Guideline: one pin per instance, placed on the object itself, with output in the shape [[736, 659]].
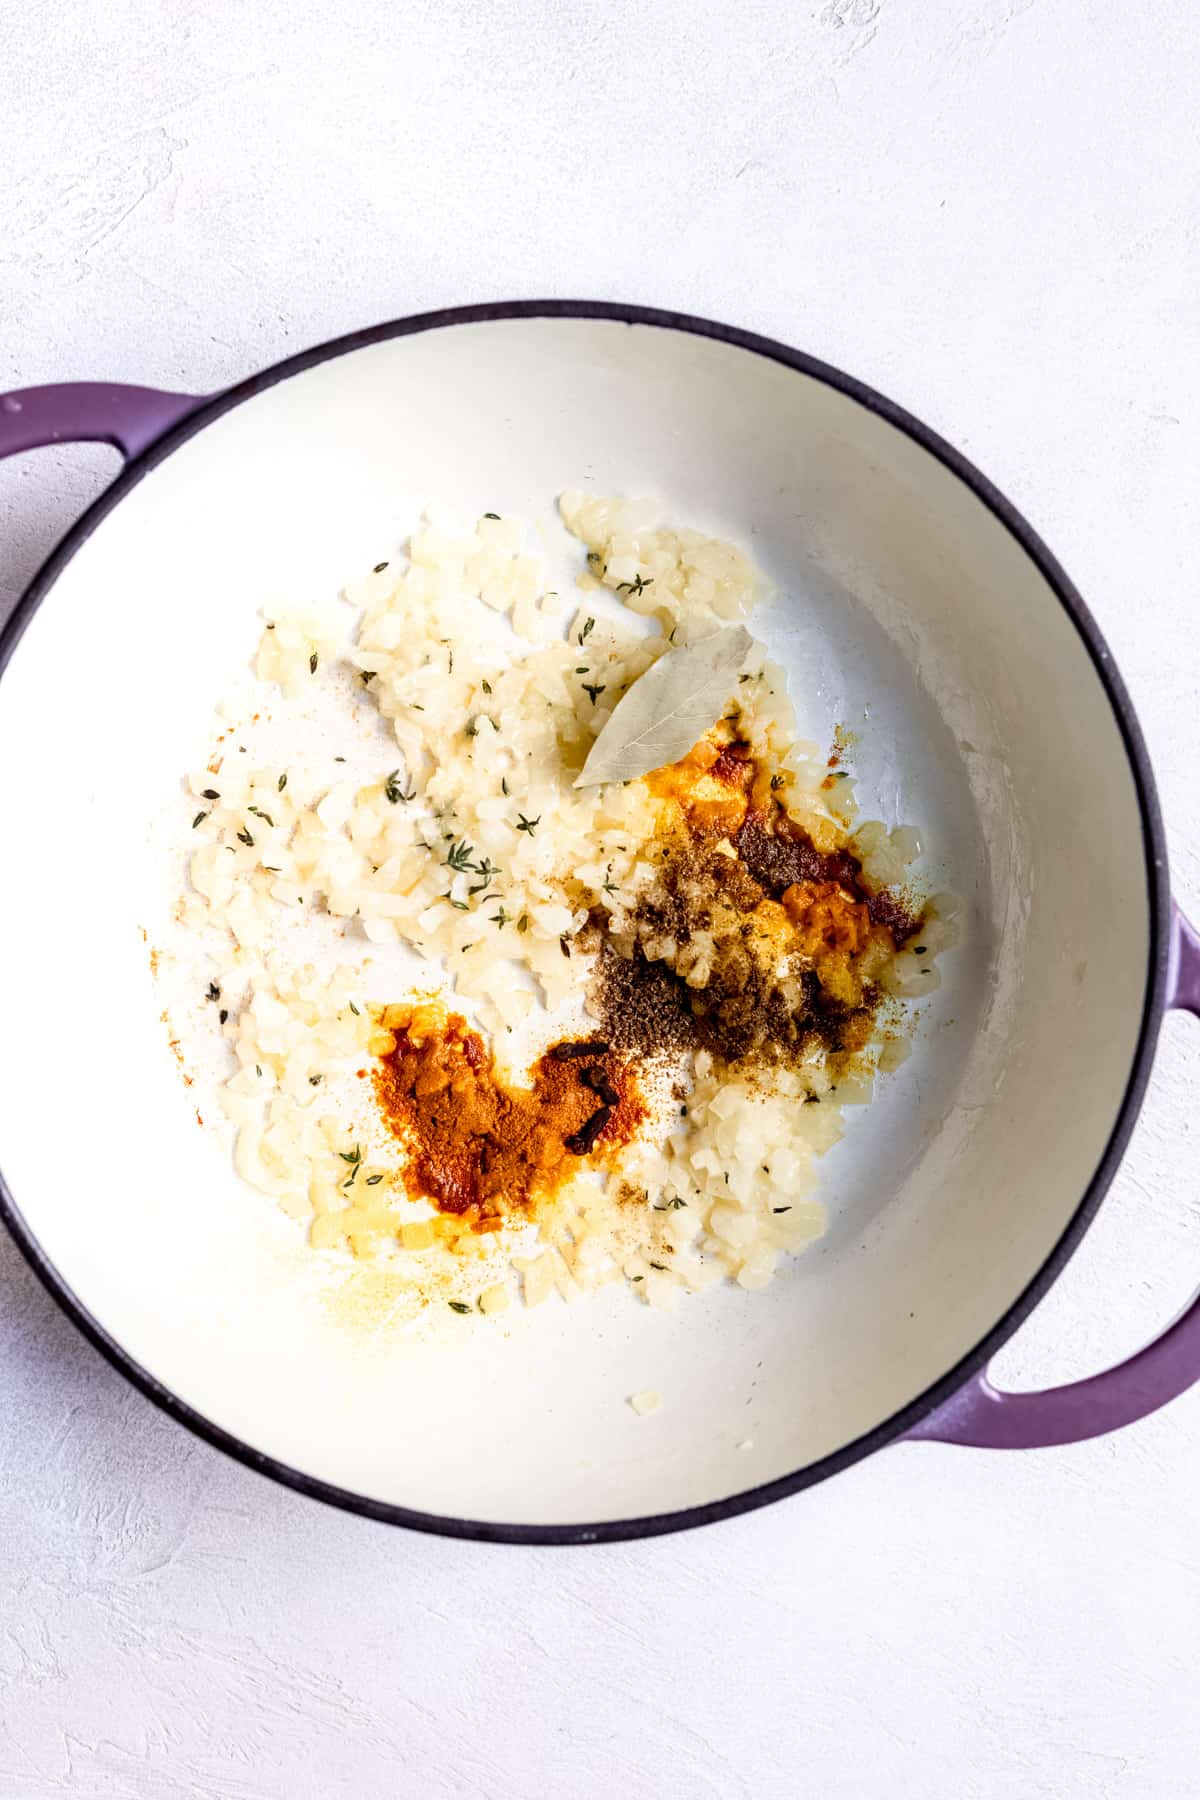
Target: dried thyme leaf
[[459, 858]]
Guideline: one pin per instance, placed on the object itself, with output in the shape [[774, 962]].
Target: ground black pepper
[[642, 1006]]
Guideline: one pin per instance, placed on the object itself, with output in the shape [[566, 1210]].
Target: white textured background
[[991, 210]]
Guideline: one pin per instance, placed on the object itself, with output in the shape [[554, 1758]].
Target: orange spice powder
[[482, 1150]]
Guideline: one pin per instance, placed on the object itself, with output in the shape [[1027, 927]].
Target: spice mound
[[746, 939], [481, 1149]]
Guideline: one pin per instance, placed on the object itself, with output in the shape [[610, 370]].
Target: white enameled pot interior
[[904, 608]]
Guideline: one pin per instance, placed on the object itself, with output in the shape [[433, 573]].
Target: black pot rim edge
[[899, 1423]]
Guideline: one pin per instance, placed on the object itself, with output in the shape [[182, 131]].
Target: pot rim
[[899, 1424]]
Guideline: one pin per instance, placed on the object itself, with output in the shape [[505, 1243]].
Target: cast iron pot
[[914, 602]]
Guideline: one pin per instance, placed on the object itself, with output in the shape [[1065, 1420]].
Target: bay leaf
[[668, 708]]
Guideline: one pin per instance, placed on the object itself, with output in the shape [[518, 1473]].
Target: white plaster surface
[[991, 210]]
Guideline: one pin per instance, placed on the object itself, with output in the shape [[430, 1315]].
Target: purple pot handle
[[982, 1415], [73, 412]]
